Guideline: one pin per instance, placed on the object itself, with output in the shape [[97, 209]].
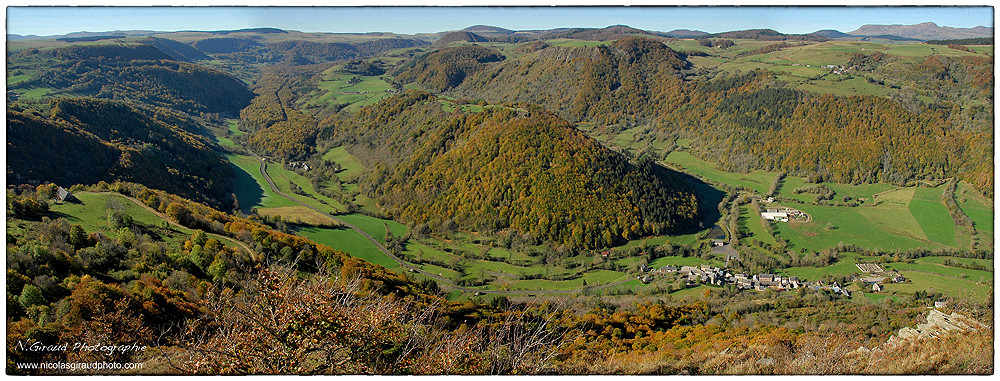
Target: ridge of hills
[[924, 31], [637, 81], [139, 72], [917, 32]]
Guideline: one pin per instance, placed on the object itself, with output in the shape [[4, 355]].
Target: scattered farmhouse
[[63, 195]]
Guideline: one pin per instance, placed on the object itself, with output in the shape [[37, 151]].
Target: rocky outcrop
[[938, 323]]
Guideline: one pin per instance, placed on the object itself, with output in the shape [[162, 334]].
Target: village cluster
[[873, 276]]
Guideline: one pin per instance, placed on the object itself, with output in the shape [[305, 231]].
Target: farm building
[[63, 195], [775, 216]]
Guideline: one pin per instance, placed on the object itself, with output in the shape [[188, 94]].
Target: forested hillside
[[626, 82], [138, 73], [84, 141], [275, 127], [528, 171], [446, 68], [749, 121]]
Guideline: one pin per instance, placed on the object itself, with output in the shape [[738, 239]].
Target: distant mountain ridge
[[924, 31], [487, 29], [684, 33]]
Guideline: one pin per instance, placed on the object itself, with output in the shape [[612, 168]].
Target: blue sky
[[409, 20]]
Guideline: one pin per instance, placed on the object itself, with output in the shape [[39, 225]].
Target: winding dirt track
[[448, 282]]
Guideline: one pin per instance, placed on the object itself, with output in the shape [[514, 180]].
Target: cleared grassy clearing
[[843, 85], [961, 288], [337, 88], [692, 293], [976, 206], [888, 227], [92, 215], [955, 272], [844, 266], [373, 226], [967, 261], [297, 213], [352, 168], [227, 141], [687, 239], [16, 79], [682, 261], [757, 180]]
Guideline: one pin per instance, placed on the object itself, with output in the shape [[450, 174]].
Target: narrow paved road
[[451, 284]]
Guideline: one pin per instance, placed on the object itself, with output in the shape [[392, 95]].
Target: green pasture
[[349, 241], [375, 227], [845, 265], [930, 212], [283, 179], [682, 261], [352, 168], [940, 269], [751, 222], [693, 293], [334, 88], [687, 239], [234, 132], [297, 213], [33, 93], [982, 49], [16, 79], [967, 261], [889, 226], [838, 84], [856, 192], [757, 180], [961, 288], [252, 190], [92, 215], [976, 206]]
